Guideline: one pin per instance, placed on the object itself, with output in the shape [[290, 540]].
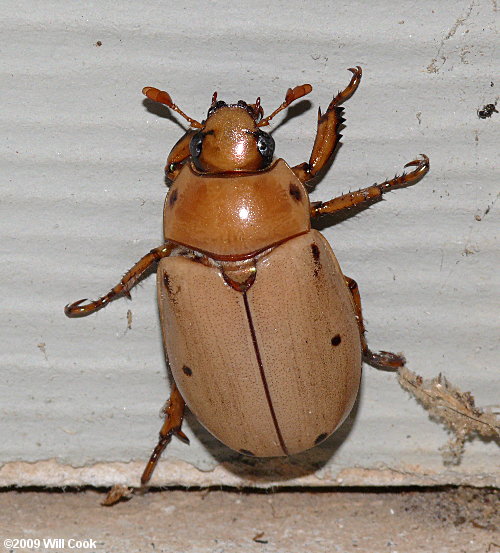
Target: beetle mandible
[[264, 334]]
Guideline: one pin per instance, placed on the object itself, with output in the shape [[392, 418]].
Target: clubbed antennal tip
[[292, 94], [164, 98]]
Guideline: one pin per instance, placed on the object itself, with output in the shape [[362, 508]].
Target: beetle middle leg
[[372, 193], [174, 414], [129, 280], [384, 360], [328, 133]]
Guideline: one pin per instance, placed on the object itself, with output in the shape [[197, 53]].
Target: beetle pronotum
[[263, 333]]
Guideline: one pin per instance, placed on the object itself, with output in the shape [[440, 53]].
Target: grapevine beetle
[[264, 334]]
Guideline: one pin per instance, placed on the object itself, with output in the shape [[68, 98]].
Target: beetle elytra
[[264, 334]]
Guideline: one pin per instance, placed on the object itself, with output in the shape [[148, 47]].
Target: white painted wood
[[82, 195]]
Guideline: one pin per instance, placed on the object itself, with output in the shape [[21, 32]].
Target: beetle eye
[[196, 144], [265, 145]]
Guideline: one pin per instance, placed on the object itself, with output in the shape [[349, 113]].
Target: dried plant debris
[[116, 494], [455, 409]]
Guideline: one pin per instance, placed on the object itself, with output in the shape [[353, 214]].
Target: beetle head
[[230, 139]]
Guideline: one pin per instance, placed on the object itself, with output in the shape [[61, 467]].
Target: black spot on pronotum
[[187, 371], [295, 191], [336, 340], [172, 198], [246, 452], [320, 438]]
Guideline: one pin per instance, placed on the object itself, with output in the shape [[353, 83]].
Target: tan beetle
[[264, 334]]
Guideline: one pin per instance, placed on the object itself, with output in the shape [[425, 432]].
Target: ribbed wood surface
[[82, 195]]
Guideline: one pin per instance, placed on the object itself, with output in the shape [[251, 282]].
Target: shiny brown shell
[[235, 215], [271, 369]]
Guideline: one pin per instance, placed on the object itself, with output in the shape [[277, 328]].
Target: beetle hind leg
[[174, 414], [384, 360]]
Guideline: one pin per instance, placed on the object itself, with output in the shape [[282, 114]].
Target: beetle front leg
[[384, 360], [328, 132], [174, 414], [372, 193], [178, 155], [129, 280]]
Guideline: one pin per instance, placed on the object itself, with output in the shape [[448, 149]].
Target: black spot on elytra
[[246, 452], [316, 254], [336, 340], [168, 286], [166, 282], [172, 198], [187, 371], [295, 191], [320, 438]]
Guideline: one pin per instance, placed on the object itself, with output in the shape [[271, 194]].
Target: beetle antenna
[[257, 110], [164, 98], [292, 94], [214, 97]]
